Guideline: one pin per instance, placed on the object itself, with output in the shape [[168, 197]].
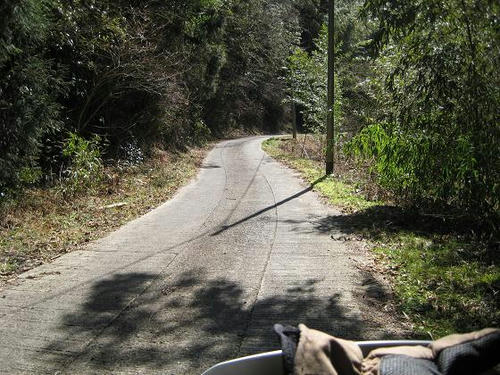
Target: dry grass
[[41, 225], [311, 147]]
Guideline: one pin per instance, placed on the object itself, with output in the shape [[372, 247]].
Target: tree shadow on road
[[383, 220], [271, 207], [392, 219], [190, 323]]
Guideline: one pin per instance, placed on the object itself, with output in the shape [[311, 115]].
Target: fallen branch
[[120, 204]]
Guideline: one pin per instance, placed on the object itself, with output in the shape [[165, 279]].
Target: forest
[[87, 82]]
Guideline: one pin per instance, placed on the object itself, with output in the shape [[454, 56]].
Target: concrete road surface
[[198, 280]]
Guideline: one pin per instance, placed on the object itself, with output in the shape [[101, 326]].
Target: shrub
[[85, 168], [438, 142]]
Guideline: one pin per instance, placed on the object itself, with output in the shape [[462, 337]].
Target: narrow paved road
[[196, 281]]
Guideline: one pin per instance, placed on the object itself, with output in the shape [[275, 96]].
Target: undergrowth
[[444, 279], [339, 193], [42, 224], [444, 283]]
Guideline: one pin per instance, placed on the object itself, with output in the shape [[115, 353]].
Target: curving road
[[196, 281]]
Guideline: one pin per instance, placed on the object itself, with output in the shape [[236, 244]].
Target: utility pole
[[294, 120], [331, 88]]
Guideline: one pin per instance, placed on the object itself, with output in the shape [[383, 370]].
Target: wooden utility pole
[[294, 120], [331, 90]]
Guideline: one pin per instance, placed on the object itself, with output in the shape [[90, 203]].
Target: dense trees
[[137, 73], [417, 84], [259, 36], [418, 95], [29, 110], [438, 142]]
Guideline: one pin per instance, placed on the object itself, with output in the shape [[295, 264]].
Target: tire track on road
[[266, 265]]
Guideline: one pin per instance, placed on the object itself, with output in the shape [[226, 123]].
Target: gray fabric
[[289, 337], [405, 365], [472, 357]]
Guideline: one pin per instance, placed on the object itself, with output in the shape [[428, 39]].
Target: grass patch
[[342, 194], [444, 280], [41, 225], [443, 283]]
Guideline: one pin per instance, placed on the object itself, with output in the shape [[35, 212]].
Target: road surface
[[198, 280]]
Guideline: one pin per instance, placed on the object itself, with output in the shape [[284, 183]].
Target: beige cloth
[[322, 354], [456, 339]]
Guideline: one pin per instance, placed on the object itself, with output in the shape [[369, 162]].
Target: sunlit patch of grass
[[338, 193], [445, 285], [42, 224]]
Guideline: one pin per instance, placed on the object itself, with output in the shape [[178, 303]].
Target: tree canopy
[[146, 73]]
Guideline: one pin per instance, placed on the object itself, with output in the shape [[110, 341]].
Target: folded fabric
[[310, 352]]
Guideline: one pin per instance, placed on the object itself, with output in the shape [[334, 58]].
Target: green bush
[[418, 167], [30, 175], [438, 141], [85, 169]]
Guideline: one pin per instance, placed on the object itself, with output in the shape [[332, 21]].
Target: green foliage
[[446, 286], [30, 175], [356, 68], [312, 15], [403, 163], [258, 38], [85, 168], [119, 81], [28, 109], [438, 141], [307, 76], [201, 133]]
